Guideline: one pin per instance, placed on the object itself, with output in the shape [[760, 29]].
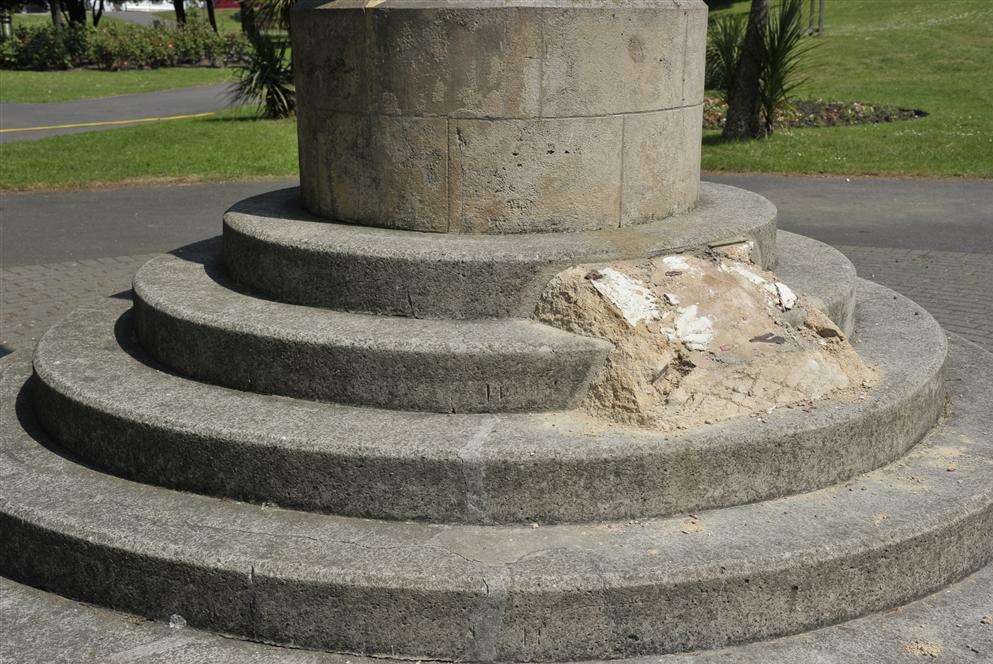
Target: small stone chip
[[987, 619], [923, 649], [768, 338]]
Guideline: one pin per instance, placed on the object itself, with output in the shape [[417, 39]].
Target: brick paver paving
[[33, 297], [957, 288]]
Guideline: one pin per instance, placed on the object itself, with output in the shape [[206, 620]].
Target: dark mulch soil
[[817, 113]]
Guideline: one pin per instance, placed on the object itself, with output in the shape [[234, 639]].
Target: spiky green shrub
[[784, 48], [266, 79], [725, 37]]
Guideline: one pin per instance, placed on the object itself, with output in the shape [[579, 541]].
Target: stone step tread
[[44, 628], [822, 273], [107, 401], [271, 243], [510, 592], [189, 317], [193, 287]]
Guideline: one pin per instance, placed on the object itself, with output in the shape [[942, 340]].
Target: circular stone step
[[271, 244], [499, 593], [822, 273], [106, 402], [45, 628], [188, 317]]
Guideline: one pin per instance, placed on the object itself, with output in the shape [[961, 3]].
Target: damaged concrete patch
[[699, 339]]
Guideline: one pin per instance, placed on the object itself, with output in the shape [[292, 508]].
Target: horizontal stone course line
[[317, 109], [614, 589], [97, 394]]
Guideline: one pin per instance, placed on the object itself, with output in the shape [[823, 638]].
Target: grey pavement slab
[[55, 227], [86, 112], [947, 215]]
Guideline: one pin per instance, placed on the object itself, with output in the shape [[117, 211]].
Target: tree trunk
[[248, 18], [744, 109], [97, 12], [820, 20], [76, 10], [210, 15], [180, 12], [57, 19]]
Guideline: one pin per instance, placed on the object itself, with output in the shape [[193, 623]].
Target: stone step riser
[[499, 593], [273, 246], [494, 624], [188, 318], [48, 627], [478, 469]]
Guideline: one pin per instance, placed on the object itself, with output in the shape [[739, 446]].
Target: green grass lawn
[[234, 145], [49, 86], [928, 54], [44, 18]]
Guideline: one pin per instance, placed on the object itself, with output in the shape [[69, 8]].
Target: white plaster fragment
[[635, 302], [739, 269], [782, 295], [692, 329], [675, 263], [670, 298]]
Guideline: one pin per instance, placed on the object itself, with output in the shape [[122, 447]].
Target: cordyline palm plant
[[784, 49], [266, 79], [724, 48]]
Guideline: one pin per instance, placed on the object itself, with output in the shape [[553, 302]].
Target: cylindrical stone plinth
[[495, 116]]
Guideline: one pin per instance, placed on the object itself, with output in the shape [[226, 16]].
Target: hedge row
[[121, 46]]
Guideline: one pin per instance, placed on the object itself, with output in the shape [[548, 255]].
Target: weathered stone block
[[519, 176], [661, 164], [612, 62], [694, 58], [378, 170], [457, 63]]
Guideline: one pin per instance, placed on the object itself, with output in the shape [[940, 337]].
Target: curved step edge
[[98, 394], [273, 245], [822, 273], [189, 318], [45, 627], [509, 593]]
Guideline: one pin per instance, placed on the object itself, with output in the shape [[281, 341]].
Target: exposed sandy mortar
[[701, 338]]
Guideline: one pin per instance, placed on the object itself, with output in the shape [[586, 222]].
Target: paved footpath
[[932, 240], [26, 122]]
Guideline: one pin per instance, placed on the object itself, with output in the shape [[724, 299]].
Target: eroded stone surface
[[701, 338]]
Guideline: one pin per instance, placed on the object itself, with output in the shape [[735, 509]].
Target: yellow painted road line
[[106, 123]]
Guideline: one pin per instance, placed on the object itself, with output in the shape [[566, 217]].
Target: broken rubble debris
[[700, 339]]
